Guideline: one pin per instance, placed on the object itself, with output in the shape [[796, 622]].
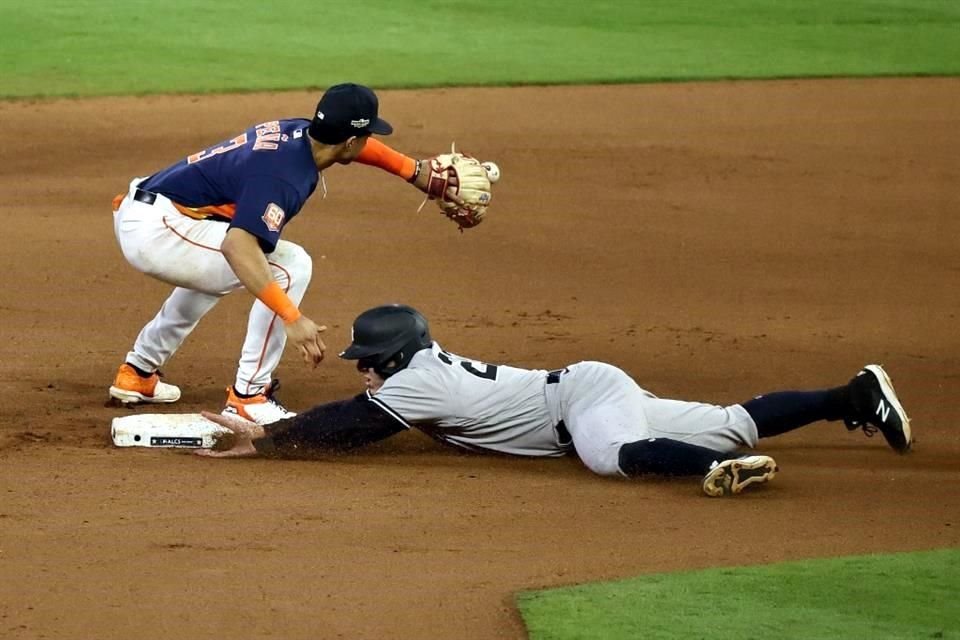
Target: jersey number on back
[[268, 137], [239, 141], [489, 371]]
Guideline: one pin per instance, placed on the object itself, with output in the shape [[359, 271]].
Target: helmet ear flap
[[389, 366]]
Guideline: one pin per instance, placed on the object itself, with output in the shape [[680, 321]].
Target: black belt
[[553, 377], [146, 197], [563, 436]]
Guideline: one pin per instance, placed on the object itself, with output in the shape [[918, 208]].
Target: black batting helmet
[[386, 337]]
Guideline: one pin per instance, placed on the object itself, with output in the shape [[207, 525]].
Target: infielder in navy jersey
[[211, 223], [591, 408]]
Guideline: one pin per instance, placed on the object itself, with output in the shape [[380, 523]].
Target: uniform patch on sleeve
[[273, 217]]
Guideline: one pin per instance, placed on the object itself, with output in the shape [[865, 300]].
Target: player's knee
[[303, 266], [293, 264], [604, 462]]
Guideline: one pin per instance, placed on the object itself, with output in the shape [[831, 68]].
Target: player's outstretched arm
[[331, 427], [378, 154], [460, 184], [417, 172]]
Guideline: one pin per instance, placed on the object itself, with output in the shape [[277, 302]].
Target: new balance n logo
[[883, 410]]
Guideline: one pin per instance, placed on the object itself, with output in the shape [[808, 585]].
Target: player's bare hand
[[304, 333], [238, 443]]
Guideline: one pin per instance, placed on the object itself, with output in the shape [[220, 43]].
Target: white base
[[176, 430]]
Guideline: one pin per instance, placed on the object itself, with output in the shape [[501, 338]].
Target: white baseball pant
[[604, 409], [163, 243]]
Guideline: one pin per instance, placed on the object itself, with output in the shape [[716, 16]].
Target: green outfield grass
[[102, 47], [908, 595]]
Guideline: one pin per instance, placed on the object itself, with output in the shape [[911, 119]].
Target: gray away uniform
[[479, 406]]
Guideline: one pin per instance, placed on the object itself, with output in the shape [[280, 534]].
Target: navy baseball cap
[[347, 110]]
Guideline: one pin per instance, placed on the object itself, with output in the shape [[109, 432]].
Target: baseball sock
[[244, 396], [667, 457], [782, 411]]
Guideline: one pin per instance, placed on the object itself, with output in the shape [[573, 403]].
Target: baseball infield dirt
[[715, 240]]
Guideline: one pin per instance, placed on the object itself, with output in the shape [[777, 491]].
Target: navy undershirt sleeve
[[334, 426]]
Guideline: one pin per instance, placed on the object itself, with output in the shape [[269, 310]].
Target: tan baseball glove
[[461, 187]]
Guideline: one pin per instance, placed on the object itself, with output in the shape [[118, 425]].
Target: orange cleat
[[262, 408], [131, 388]]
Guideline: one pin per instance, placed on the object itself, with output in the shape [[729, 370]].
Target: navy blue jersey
[[258, 180]]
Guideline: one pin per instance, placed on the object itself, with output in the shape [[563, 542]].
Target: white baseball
[[493, 171]]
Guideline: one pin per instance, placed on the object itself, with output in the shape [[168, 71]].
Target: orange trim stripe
[[186, 239], [266, 340], [202, 213]]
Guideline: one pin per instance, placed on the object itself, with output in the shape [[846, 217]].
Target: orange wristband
[[279, 302], [380, 155]]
